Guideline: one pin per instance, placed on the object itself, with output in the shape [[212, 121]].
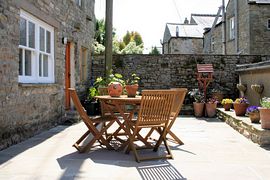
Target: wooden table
[[115, 106]]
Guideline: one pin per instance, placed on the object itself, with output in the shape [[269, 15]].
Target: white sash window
[[36, 50]]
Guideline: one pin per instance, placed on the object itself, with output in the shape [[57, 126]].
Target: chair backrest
[[156, 107], [77, 103], [178, 101]]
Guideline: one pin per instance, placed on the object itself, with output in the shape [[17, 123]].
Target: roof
[[185, 30], [260, 1], [205, 20], [195, 29]]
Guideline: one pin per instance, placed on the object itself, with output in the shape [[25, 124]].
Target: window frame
[[232, 28], [79, 3], [35, 52], [268, 24], [83, 63], [212, 46]]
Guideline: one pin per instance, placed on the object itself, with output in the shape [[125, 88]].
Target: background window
[[268, 24], [79, 3], [231, 27]]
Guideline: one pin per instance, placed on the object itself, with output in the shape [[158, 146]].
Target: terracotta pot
[[211, 109], [240, 109], [254, 117], [198, 109], [227, 107], [265, 118], [132, 90], [115, 89]]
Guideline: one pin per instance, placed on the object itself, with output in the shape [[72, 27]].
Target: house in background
[[44, 50], [247, 29], [187, 38]]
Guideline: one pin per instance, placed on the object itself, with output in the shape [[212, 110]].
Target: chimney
[[177, 31], [186, 21]]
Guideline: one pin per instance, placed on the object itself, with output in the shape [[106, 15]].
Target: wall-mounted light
[[64, 40]]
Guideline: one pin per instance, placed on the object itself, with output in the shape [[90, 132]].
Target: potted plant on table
[[211, 106], [253, 113], [198, 103], [227, 104], [131, 85], [265, 112], [240, 106], [112, 84]]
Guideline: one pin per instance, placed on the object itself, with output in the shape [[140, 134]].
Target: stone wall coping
[[253, 66]]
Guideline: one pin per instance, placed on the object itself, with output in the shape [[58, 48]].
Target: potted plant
[[227, 104], [253, 113], [115, 86], [198, 103], [211, 106], [112, 84], [131, 85], [240, 106], [91, 105], [265, 112]]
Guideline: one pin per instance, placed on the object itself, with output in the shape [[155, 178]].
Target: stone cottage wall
[[259, 33], [218, 45], [185, 45], [27, 109], [168, 71]]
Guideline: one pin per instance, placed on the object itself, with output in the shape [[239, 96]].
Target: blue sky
[[149, 17]]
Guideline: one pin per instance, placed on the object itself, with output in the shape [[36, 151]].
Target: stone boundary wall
[[168, 71]]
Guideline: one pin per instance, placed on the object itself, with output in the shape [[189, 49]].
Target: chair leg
[[150, 133], [175, 138], [162, 136], [168, 149]]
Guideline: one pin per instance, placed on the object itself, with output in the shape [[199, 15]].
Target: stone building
[[44, 49], [213, 44], [247, 28], [186, 38]]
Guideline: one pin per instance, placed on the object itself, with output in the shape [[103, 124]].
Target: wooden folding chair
[[177, 105], [155, 110], [91, 124]]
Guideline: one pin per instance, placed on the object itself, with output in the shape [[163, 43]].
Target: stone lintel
[[30, 8]]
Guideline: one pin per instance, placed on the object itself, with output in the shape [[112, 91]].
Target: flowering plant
[[133, 79], [197, 95], [252, 109], [265, 102], [226, 101], [241, 100], [212, 100]]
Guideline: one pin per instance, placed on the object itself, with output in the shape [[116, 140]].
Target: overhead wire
[[180, 18]]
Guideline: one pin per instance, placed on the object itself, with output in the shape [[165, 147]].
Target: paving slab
[[212, 150]]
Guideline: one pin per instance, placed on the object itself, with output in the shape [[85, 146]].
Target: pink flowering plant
[[212, 101]]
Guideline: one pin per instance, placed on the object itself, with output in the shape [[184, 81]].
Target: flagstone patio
[[212, 150]]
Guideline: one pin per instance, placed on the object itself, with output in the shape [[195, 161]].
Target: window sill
[[37, 85]]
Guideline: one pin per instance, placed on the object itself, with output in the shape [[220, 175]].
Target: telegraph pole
[[108, 36]]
